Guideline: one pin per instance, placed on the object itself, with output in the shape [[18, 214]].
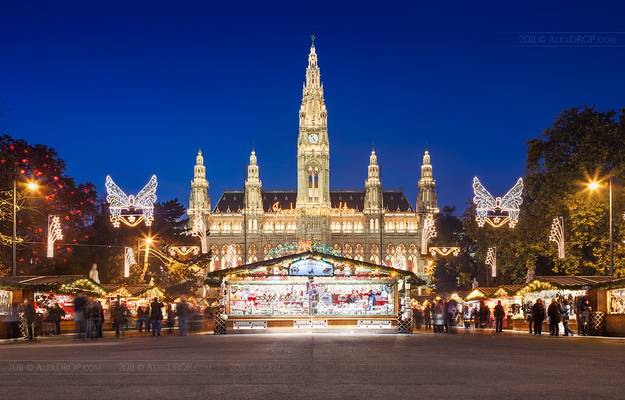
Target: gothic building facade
[[369, 224]]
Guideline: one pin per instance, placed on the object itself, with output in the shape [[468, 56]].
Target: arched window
[[313, 183]]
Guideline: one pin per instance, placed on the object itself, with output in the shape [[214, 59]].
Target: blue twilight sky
[[134, 88]]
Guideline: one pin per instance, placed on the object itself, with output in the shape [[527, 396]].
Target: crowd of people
[[89, 318], [443, 316]]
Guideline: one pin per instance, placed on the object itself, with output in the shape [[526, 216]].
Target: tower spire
[[199, 199], [427, 201]]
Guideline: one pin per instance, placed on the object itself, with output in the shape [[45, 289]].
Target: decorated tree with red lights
[[56, 194]]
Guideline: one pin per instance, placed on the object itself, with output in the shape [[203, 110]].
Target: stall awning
[[312, 263], [494, 292], [136, 290], [563, 282], [61, 283]]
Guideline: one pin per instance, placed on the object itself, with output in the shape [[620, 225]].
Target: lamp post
[[594, 185], [32, 186]]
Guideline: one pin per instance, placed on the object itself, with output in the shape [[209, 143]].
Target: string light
[[496, 211], [557, 235], [54, 233], [230, 258], [491, 260], [444, 251], [183, 250], [129, 260], [130, 209], [199, 230], [428, 232]]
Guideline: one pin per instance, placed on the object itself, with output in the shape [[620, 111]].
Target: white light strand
[[557, 235], [491, 260], [130, 209], [496, 211], [54, 233], [199, 230], [184, 250], [230, 258], [428, 232], [444, 251], [129, 261]]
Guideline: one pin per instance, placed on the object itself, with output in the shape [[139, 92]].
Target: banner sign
[[311, 268]]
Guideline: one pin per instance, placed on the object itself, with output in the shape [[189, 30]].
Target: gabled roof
[[288, 259], [233, 201], [62, 283], [490, 292]]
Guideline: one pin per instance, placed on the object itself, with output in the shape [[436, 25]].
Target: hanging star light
[[427, 233], [54, 233], [491, 260], [444, 251], [557, 235], [129, 261], [496, 211], [130, 209], [199, 230]]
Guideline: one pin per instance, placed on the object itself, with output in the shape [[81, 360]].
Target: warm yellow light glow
[[148, 240], [593, 185], [32, 186]]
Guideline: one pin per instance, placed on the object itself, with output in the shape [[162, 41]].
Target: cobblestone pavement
[[319, 366]]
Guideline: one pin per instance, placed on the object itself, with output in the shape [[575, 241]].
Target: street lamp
[[593, 186], [31, 186]]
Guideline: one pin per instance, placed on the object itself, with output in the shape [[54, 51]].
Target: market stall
[[312, 291], [47, 290], [507, 294], [610, 299], [560, 288], [132, 296]]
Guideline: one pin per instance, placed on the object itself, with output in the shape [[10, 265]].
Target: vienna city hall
[[365, 224]]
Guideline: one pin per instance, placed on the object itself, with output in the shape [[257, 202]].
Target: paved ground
[[319, 366]]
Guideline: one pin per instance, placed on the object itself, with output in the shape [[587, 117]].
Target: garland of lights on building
[[129, 209], [497, 211], [557, 235], [82, 285], [54, 233]]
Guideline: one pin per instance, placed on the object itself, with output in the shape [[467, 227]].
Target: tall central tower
[[313, 158], [313, 146]]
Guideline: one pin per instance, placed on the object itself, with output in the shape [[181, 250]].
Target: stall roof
[[287, 259], [611, 284], [52, 282], [563, 282]]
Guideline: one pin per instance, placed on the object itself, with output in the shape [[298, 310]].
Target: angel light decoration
[[130, 209], [497, 211]]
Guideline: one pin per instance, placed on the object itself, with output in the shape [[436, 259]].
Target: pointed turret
[[253, 186], [427, 202], [199, 200]]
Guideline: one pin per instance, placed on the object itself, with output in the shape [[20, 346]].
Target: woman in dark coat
[[538, 314]]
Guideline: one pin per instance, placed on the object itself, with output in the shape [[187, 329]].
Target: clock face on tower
[[313, 138]]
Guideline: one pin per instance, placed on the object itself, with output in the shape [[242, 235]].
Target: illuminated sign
[[311, 268]]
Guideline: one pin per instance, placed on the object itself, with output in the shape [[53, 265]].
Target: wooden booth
[[313, 291]]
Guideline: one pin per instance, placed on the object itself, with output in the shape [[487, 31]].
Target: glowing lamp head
[[32, 186], [149, 240], [594, 185]]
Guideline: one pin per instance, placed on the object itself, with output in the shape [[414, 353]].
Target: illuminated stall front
[[610, 299], [312, 291]]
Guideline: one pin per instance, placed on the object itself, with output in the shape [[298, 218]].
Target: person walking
[[427, 313], [100, 326], [140, 319], [90, 317], [499, 316], [182, 310], [439, 317], [528, 316], [171, 319], [117, 316], [566, 315], [29, 314], [57, 313], [555, 316], [584, 315], [80, 304], [538, 315], [156, 316]]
